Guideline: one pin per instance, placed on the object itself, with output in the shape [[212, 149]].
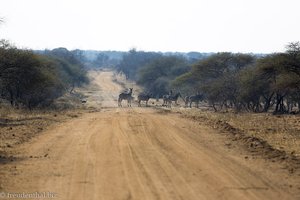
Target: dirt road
[[140, 153]]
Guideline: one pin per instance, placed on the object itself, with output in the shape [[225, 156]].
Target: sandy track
[[140, 153]]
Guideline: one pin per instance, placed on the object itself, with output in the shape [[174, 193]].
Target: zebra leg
[[119, 102], [186, 104]]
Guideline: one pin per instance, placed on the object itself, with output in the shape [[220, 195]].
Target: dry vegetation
[[275, 137], [20, 125], [281, 131]]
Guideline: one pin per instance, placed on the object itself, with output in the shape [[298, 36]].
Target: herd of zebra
[[167, 99]]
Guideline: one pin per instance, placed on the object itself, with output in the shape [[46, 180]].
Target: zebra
[[126, 96], [143, 97], [166, 100], [169, 98], [195, 98]]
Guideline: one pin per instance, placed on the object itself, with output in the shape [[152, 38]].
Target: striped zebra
[[125, 96], [143, 97], [169, 98], [196, 99]]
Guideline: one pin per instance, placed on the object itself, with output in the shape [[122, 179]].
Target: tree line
[[243, 82], [32, 79]]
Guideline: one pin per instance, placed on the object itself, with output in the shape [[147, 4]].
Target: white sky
[[260, 26]]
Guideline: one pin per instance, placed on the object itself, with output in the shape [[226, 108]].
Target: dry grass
[[20, 125], [282, 132]]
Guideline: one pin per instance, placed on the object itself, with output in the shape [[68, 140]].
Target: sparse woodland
[[242, 82], [245, 82], [34, 80]]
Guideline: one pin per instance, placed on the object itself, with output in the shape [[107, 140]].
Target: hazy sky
[[152, 25]]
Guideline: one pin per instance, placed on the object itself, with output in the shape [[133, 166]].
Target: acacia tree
[[282, 72], [292, 61], [133, 61], [70, 67], [35, 80], [157, 75], [242, 81], [273, 80], [218, 78]]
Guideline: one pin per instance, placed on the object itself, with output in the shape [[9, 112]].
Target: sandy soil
[[140, 153]]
